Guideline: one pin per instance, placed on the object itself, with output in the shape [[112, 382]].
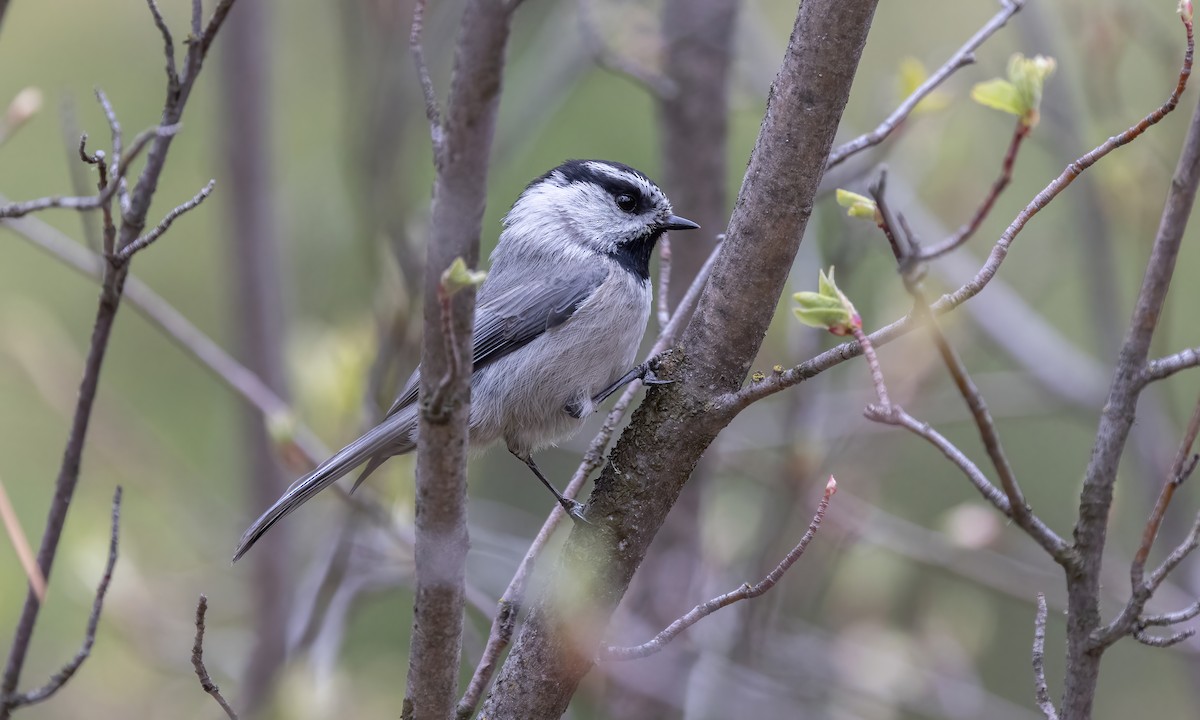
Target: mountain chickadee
[[557, 324]]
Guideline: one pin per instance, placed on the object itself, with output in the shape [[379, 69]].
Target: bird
[[558, 321]]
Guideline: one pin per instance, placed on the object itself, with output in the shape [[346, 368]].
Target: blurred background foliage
[[915, 601]]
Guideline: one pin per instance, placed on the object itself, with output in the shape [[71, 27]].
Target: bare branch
[[655, 83], [156, 232], [737, 401], [1163, 642], [206, 682], [896, 415], [1022, 515], [745, 592], [168, 43], [88, 202], [116, 162], [963, 57], [432, 112], [61, 677], [115, 273], [873, 363], [965, 232], [514, 595], [1166, 619], [1041, 694], [1164, 367]]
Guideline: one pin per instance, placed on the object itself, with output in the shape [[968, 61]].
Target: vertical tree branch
[[675, 423], [1091, 528], [461, 158], [256, 307]]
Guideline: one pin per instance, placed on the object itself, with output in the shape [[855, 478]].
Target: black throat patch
[[634, 255]]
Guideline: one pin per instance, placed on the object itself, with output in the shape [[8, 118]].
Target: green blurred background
[[915, 601]]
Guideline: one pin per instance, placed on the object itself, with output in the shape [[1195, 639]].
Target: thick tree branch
[[459, 194], [745, 592], [514, 595], [673, 426], [963, 57]]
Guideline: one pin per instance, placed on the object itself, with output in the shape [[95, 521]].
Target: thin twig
[[1164, 367], [873, 363], [1163, 642], [168, 43], [965, 232], [20, 543], [664, 282], [1175, 478], [115, 162], [896, 415], [156, 232], [655, 83], [1173, 618], [87, 202], [745, 592], [1041, 693], [1022, 515], [963, 57], [510, 602], [206, 682], [735, 402], [906, 249], [433, 112], [115, 273], [61, 677]]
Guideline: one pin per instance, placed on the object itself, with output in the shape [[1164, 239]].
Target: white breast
[[523, 396]]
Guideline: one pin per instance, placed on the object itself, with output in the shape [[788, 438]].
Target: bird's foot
[[574, 510]]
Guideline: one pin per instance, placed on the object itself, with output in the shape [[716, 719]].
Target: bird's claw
[[651, 378], [574, 510]]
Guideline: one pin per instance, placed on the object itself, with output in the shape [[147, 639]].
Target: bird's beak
[[675, 222]]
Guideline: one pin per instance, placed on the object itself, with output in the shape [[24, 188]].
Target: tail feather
[[391, 437]]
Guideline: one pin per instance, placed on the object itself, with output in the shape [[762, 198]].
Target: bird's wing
[[515, 317]]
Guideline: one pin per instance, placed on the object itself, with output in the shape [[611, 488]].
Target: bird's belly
[[524, 397]]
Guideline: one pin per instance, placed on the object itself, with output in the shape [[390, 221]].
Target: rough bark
[[674, 425], [693, 125], [461, 148]]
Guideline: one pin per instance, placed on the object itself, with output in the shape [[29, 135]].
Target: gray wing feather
[[504, 322], [514, 318]]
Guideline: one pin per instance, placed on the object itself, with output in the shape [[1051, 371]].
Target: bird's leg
[[641, 372], [573, 508]]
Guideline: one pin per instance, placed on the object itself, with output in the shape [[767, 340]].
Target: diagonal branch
[[157, 231], [514, 595], [745, 592], [738, 400], [963, 57]]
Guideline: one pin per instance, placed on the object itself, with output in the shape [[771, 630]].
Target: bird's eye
[[626, 202]]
